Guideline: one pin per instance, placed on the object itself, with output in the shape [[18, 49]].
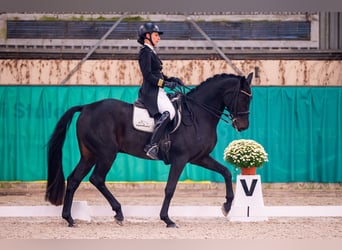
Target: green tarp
[[300, 128]]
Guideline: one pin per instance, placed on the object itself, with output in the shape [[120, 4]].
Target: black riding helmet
[[147, 28]]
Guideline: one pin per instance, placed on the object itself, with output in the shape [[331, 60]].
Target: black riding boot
[[152, 148]]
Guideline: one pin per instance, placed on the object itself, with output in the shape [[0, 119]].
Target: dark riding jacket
[[153, 79]]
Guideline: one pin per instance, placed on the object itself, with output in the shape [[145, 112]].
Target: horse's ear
[[249, 78]]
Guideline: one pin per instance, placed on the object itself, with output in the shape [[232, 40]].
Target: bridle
[[239, 113], [235, 114]]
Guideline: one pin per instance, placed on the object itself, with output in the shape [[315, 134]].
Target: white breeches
[[164, 103]]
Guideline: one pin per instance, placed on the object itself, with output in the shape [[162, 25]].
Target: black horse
[[104, 128]]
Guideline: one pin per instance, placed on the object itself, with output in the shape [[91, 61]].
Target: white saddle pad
[[142, 120]]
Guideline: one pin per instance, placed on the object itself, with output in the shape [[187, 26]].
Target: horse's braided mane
[[216, 77]]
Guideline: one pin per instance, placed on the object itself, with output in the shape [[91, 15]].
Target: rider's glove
[[170, 85]]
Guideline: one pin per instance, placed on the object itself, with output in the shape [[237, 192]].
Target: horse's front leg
[[170, 188], [211, 164]]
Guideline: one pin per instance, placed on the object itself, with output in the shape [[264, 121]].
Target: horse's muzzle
[[240, 124]]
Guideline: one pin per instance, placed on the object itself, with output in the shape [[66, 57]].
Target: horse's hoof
[[119, 222], [71, 225], [119, 219], [172, 225], [225, 213], [226, 208], [71, 222]]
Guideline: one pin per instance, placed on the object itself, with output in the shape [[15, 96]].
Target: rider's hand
[[170, 85]]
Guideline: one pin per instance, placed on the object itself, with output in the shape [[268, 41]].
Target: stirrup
[[152, 151]]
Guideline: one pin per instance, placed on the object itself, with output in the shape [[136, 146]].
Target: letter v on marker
[[248, 192]]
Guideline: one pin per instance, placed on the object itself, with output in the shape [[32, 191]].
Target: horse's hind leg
[[74, 180], [98, 178]]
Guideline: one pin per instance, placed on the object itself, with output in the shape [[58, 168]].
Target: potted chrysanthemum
[[246, 155]]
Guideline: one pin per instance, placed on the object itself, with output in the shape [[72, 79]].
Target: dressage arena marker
[[248, 199]]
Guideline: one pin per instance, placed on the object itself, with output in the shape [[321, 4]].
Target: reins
[[215, 112]]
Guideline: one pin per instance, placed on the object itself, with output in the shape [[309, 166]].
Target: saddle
[[142, 120]]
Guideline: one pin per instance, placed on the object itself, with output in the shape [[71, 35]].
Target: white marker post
[[248, 204]]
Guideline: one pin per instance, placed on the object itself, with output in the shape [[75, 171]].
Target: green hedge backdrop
[[300, 128]]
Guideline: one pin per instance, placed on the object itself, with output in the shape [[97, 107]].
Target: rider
[[152, 91]]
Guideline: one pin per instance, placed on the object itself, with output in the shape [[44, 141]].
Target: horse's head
[[225, 91], [239, 110]]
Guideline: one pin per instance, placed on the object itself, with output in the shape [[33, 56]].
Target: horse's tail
[[56, 182]]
